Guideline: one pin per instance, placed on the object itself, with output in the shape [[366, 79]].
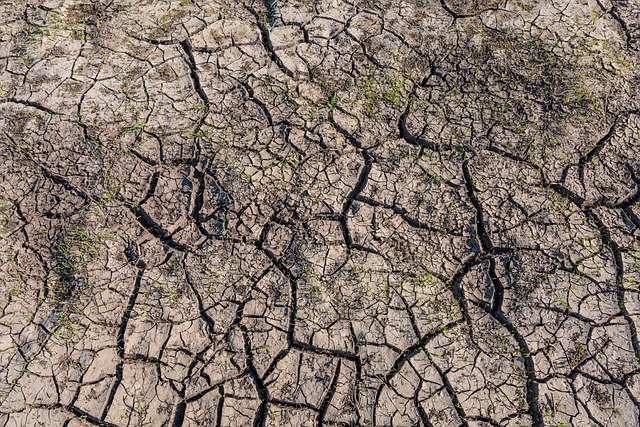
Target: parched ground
[[320, 212]]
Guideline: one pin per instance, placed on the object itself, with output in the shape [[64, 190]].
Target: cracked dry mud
[[319, 212]]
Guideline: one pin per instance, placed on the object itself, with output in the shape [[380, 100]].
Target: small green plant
[[135, 127], [333, 101]]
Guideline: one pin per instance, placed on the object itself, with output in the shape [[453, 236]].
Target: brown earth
[[329, 212]]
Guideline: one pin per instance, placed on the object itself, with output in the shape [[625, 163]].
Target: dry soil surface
[[320, 212]]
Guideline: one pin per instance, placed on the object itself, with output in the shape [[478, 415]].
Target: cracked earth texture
[[319, 212]]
